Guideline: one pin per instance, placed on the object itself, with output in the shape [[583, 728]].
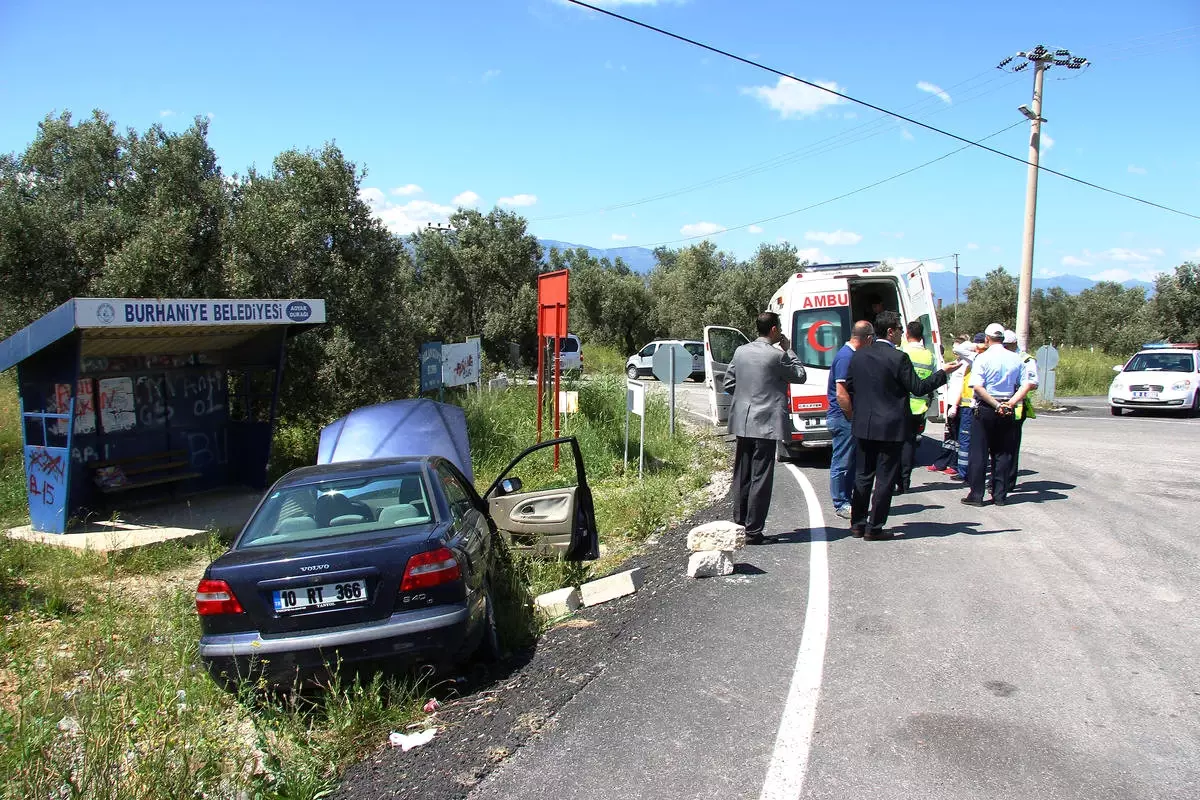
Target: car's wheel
[[632, 372], [1196, 403], [489, 643], [1116, 412]]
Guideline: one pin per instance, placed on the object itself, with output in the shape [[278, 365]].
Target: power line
[[840, 196], [856, 134], [880, 109]]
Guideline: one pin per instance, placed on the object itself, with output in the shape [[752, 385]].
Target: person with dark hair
[[946, 461], [922, 360], [841, 462], [758, 378], [880, 383], [966, 411]]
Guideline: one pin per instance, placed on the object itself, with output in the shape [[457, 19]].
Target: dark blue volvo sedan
[[386, 560]]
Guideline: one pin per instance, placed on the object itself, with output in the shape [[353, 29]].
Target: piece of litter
[[407, 742], [432, 706]]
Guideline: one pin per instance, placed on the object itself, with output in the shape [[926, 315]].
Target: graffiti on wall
[[46, 469], [116, 404], [85, 406]]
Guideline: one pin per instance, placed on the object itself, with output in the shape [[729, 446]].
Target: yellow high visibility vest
[[922, 361]]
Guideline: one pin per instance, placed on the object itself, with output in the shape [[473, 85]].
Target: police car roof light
[[1171, 345]]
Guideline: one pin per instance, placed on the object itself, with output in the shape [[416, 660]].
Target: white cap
[[1009, 337], [994, 331]]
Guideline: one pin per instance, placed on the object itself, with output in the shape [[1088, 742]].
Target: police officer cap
[[1010, 337]]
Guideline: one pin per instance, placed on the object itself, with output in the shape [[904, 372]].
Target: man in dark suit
[[879, 384]]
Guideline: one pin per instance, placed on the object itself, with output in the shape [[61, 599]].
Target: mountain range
[[641, 259]]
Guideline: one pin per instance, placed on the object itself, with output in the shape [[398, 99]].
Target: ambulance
[[817, 308]]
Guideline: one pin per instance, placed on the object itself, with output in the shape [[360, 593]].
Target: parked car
[[570, 353], [384, 552], [1165, 377], [641, 363]]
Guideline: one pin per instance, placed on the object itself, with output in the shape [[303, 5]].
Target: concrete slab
[[188, 520]]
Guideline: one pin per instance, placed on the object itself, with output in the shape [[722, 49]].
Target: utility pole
[[956, 293], [1041, 58]]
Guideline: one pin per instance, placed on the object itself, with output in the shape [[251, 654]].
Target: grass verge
[[101, 691], [1083, 373]]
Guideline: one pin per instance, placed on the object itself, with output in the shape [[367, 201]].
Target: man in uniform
[[878, 387], [922, 361], [758, 378], [996, 382], [1029, 379]]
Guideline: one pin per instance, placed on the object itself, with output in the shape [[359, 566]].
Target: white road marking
[[789, 760]]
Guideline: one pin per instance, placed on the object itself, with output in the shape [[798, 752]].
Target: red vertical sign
[[552, 322]]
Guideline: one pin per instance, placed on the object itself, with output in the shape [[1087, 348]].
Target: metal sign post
[[635, 403], [1047, 361], [667, 366]]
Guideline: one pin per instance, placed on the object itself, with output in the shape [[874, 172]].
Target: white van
[[818, 307]]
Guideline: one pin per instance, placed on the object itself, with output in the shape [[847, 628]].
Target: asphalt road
[[1046, 649]]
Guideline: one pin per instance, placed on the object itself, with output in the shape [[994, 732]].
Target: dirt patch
[[480, 730], [10, 692]]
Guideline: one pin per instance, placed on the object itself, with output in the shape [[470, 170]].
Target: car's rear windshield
[[339, 507], [1160, 362], [568, 345], [695, 348]]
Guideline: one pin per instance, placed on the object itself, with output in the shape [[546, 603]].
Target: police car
[[1164, 377]]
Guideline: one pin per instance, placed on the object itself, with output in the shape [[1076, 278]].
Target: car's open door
[[719, 344], [556, 521], [923, 307]]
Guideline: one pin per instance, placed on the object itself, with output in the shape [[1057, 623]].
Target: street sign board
[[431, 366], [669, 372]]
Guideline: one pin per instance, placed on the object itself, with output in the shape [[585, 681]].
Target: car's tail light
[[426, 570], [215, 597]]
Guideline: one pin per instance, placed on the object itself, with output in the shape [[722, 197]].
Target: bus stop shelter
[[131, 401]]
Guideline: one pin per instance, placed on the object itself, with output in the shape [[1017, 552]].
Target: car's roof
[[354, 469], [681, 341]]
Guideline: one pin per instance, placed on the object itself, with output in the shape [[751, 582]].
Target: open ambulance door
[[923, 307], [719, 344]]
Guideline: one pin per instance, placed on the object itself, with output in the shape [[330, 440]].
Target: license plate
[[1145, 395], [326, 596], [811, 422]]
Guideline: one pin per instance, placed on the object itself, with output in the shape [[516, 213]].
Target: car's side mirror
[[1118, 368], [510, 485]]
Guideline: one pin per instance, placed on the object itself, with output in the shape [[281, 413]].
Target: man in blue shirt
[[997, 380], [841, 464]]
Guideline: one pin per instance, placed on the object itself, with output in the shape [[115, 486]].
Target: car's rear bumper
[[435, 635]]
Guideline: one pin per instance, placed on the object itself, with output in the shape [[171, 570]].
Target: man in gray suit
[[758, 378]]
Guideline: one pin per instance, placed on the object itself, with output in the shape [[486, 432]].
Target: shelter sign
[[93, 312]]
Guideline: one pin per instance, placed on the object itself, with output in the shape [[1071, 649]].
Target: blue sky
[[560, 113]]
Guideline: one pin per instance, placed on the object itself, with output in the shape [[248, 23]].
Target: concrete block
[[710, 564], [719, 535], [558, 603], [612, 587]]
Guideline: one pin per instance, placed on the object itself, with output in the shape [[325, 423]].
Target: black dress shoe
[[758, 538], [858, 531], [996, 502], [879, 535], [967, 501]]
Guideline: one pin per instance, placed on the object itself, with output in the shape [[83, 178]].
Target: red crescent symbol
[[812, 336]]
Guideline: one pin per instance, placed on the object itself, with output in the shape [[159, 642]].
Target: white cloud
[[467, 199], [892, 234], [1192, 254], [407, 189], [407, 217], [972, 246], [1072, 261], [908, 137], [812, 254], [1047, 141], [166, 112], [490, 75], [935, 90], [1047, 273], [1126, 255], [833, 237], [518, 200], [755, 229], [701, 229], [1135, 170], [793, 99], [619, 237]]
